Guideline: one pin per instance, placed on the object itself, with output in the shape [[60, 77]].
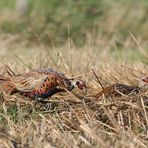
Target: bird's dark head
[[80, 84], [72, 83]]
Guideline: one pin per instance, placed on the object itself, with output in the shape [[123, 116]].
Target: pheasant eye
[[80, 84], [77, 83]]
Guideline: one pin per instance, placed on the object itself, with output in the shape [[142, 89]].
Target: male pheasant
[[39, 83], [123, 89]]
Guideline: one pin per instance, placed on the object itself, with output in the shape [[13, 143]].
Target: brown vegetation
[[74, 119]]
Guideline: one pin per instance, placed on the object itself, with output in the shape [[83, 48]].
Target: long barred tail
[[6, 85]]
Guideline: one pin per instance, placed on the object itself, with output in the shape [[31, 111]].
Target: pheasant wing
[[25, 83]]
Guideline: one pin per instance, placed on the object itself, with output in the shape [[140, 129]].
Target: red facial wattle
[[145, 79], [81, 85]]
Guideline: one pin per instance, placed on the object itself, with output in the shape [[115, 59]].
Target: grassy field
[[114, 45], [74, 119]]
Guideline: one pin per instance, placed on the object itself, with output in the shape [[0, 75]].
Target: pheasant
[[39, 84], [123, 89]]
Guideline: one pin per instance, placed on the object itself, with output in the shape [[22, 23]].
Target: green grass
[[50, 20], [6, 4]]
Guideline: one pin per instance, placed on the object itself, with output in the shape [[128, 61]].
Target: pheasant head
[[143, 83], [72, 83], [80, 84]]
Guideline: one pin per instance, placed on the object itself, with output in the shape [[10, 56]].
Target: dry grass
[[74, 119]]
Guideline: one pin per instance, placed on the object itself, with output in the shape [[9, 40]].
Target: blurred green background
[[56, 20]]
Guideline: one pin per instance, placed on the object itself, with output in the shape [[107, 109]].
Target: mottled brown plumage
[[39, 83], [123, 89]]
